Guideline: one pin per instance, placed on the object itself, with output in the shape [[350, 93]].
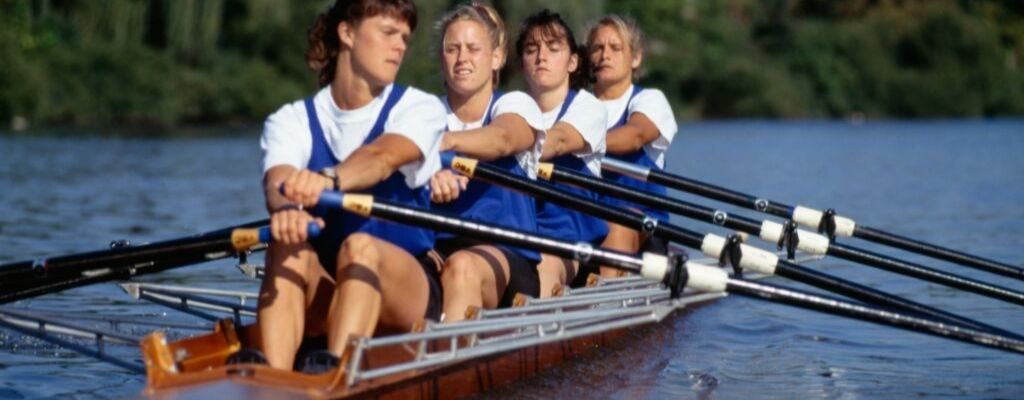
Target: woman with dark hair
[[575, 120], [640, 121], [489, 125], [360, 133]]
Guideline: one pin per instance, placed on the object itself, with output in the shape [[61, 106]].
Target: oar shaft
[[871, 295], [938, 252], [925, 273], [686, 237], [77, 264], [89, 268], [777, 294], [748, 225], [786, 211], [693, 276], [698, 188]]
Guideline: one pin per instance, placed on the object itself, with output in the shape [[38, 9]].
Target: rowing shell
[[492, 348]]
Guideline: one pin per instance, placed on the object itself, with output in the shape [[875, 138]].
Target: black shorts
[[523, 272], [328, 260], [429, 261]]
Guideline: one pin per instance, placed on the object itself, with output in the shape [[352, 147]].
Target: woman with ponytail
[[640, 121], [361, 132], [489, 125]]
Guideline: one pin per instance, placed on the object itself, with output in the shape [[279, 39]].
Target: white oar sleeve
[[752, 258], [807, 242], [810, 217]]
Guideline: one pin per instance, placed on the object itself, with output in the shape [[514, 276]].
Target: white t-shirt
[[652, 104], [588, 116], [417, 116], [518, 103]]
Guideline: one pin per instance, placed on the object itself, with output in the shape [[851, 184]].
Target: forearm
[[624, 140], [487, 143], [272, 181], [363, 169], [560, 142]]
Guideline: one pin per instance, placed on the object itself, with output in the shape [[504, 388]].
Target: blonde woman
[[640, 120], [502, 129]]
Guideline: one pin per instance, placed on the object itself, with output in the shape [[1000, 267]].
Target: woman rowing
[[575, 120], [501, 128], [640, 121], [360, 132]]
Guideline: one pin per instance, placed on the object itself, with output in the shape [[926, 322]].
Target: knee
[[359, 248], [459, 268], [358, 252]]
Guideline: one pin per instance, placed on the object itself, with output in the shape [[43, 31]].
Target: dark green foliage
[[164, 63]]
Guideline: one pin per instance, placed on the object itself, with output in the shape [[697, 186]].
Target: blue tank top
[[638, 157], [484, 202], [559, 222], [340, 224]]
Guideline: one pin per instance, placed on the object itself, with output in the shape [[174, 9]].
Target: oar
[[675, 272], [26, 279], [725, 249], [827, 222], [777, 233]]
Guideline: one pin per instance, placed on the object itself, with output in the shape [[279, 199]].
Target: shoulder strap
[[378, 127], [490, 110], [565, 105], [321, 155], [625, 113]]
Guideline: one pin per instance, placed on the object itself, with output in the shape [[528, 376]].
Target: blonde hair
[[627, 29], [486, 16]]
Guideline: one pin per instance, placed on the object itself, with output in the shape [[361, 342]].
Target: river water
[[956, 183]]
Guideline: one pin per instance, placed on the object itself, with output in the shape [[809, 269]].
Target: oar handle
[[244, 239]]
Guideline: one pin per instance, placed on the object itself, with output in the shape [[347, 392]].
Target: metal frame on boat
[[436, 360]]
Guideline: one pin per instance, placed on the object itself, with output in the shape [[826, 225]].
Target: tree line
[[167, 63]]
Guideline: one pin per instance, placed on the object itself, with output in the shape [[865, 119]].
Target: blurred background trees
[[167, 63]]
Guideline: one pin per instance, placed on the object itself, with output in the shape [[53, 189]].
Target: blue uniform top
[[638, 157], [340, 224], [559, 222], [485, 202]]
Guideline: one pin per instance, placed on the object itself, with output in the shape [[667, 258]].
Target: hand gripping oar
[[738, 254], [677, 273], [26, 279], [776, 233], [827, 222]]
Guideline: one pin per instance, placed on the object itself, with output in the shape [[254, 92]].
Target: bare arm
[[376, 161], [632, 136], [562, 139], [506, 135], [365, 167]]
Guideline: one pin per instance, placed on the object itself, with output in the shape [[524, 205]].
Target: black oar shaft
[[695, 240], [941, 253], [77, 264], [60, 273], [698, 188], [786, 211], [748, 225], [777, 294], [367, 206]]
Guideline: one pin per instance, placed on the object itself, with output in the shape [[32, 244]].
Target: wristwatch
[[331, 174]]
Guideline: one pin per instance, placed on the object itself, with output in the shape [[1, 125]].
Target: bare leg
[[622, 239], [293, 276], [477, 276], [377, 282], [554, 271]]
